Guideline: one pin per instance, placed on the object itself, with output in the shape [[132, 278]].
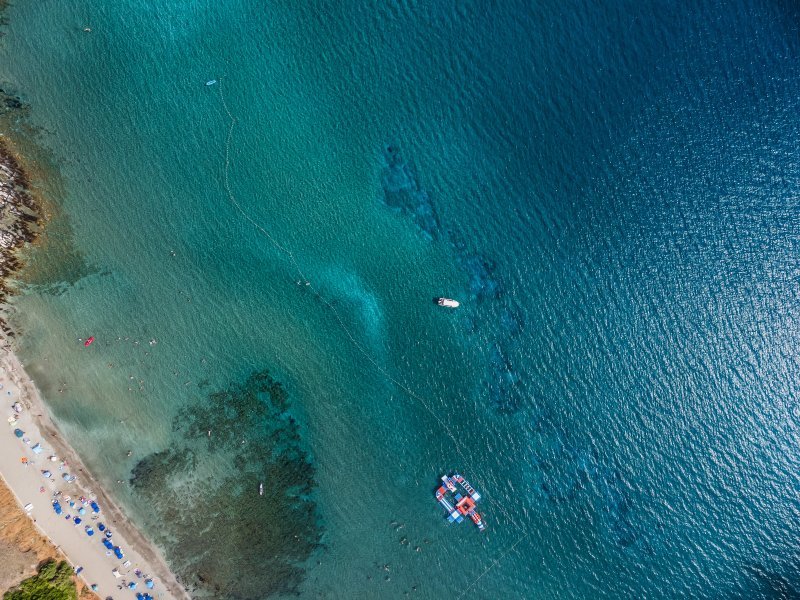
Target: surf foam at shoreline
[[20, 225], [26, 482]]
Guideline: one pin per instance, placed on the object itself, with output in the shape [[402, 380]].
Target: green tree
[[52, 582]]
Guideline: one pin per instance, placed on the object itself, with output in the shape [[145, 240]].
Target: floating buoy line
[[389, 377]]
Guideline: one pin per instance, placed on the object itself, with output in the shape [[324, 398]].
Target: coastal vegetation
[[22, 546], [52, 582]]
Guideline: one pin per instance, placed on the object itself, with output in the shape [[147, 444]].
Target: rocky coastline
[[20, 221]]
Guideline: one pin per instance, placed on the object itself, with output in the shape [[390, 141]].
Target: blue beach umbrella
[[77, 520], [149, 583], [81, 511], [94, 506], [132, 585], [101, 527], [19, 433], [118, 552]]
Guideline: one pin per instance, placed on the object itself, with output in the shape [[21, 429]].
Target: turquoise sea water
[[612, 193]]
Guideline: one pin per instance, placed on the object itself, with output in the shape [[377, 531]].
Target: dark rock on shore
[[19, 219]]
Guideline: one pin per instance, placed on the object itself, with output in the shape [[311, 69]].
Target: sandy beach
[[23, 547], [22, 467]]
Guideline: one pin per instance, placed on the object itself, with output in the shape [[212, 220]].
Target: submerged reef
[[564, 472], [403, 193], [223, 538], [781, 581]]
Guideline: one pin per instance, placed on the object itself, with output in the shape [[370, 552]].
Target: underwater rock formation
[[503, 381], [483, 284], [223, 537], [565, 472], [402, 193], [19, 219]]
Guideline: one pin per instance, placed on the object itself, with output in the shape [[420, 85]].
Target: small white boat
[[447, 302], [260, 489], [211, 82]]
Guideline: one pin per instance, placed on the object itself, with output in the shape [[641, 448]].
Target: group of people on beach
[[80, 506]]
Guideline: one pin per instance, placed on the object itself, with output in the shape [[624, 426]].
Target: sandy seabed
[[22, 470]]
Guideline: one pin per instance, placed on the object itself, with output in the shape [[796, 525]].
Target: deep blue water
[[611, 191]]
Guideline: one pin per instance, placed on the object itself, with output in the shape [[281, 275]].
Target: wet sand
[[26, 483]]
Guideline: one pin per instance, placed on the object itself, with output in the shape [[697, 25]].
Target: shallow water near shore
[[610, 192]]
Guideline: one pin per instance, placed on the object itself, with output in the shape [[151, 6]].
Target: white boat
[[260, 489], [211, 82], [447, 302]]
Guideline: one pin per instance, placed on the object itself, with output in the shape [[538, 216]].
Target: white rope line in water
[[310, 285], [284, 250], [491, 566]]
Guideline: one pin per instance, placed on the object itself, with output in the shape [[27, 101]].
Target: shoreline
[[21, 223], [23, 547], [79, 549]]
